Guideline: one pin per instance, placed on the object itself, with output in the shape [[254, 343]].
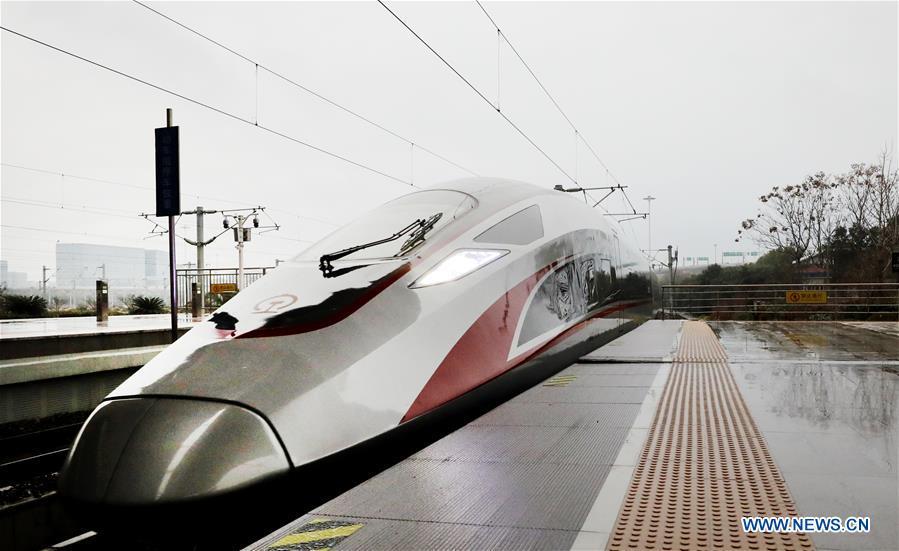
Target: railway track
[[30, 461], [27, 444], [92, 541], [31, 455], [26, 468]]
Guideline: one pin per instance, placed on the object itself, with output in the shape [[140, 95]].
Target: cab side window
[[523, 227]]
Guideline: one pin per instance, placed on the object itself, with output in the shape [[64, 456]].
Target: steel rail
[[35, 465]]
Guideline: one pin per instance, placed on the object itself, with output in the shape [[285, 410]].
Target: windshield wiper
[[419, 228], [418, 236]]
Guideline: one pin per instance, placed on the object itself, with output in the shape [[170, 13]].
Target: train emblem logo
[[275, 304]]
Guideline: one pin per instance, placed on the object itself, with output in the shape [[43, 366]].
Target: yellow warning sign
[[218, 288], [806, 297]]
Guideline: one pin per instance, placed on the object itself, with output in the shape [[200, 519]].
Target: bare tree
[[797, 219], [815, 218], [883, 208], [870, 195], [825, 212], [856, 188]]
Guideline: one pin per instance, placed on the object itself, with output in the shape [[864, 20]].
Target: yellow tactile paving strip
[[704, 464], [698, 343]]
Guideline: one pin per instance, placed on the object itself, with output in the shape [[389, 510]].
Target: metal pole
[[200, 261], [196, 302], [670, 267], [649, 199], [663, 302], [240, 220], [102, 301], [44, 282], [173, 290]]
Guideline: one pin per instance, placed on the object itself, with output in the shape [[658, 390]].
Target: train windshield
[[390, 218]]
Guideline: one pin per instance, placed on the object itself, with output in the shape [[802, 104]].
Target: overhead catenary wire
[[525, 63], [64, 175], [285, 136], [8, 252], [542, 87], [118, 257], [478, 92], [64, 206], [577, 133], [304, 88], [112, 258], [89, 234], [220, 111], [46, 230], [150, 188], [296, 239], [117, 213], [32, 256]]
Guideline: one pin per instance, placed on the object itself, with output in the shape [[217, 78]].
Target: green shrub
[[78, 311], [145, 305], [24, 306]]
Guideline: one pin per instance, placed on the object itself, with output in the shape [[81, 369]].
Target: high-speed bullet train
[[382, 323]]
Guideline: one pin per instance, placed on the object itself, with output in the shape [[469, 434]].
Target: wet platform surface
[[550, 468], [825, 397], [655, 341]]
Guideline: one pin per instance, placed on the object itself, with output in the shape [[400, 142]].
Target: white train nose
[[163, 450]]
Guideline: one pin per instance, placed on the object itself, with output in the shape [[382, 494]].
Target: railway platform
[[41, 337], [52, 366], [82, 325], [663, 439]]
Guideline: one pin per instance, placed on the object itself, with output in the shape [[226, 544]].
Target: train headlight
[[457, 265]]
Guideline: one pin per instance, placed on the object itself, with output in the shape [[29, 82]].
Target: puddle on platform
[[826, 399]]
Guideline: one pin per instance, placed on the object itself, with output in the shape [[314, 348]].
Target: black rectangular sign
[[168, 180], [896, 262]]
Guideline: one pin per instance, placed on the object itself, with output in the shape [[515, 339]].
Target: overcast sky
[[702, 105]]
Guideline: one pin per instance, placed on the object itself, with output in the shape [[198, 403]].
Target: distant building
[[156, 268], [12, 280], [16, 280], [814, 269], [80, 265]]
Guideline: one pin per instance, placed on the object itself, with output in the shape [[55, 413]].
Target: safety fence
[[850, 301], [216, 285]]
